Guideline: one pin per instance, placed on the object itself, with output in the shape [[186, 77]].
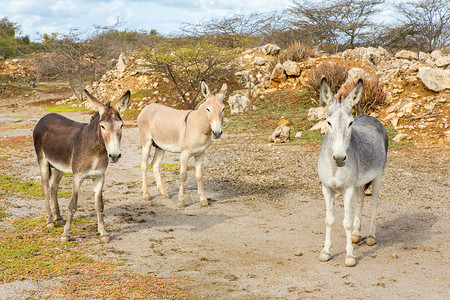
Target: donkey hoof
[[65, 239], [203, 203], [50, 225], [59, 222], [104, 239], [350, 262], [146, 196], [356, 238], [370, 241], [181, 204], [324, 256]]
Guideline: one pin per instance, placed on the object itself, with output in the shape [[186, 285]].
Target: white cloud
[[166, 16]]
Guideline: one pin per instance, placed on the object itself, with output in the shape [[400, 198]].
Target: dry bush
[[372, 99], [296, 51], [335, 75]]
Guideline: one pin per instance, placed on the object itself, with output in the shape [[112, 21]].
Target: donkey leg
[[144, 164], [98, 187], [348, 197], [359, 195], [199, 175], [156, 166], [183, 176], [45, 176], [65, 237], [329, 196], [54, 183], [376, 185]]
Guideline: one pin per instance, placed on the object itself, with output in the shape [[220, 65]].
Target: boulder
[[260, 61], [318, 113], [370, 54], [435, 79], [405, 54], [436, 54], [291, 68], [238, 103], [269, 49], [122, 63], [322, 126], [281, 134], [443, 62], [278, 74]]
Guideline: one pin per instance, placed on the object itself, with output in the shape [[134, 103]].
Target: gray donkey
[[352, 156]]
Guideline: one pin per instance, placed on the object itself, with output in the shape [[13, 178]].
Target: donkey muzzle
[[216, 129], [113, 158], [340, 160]]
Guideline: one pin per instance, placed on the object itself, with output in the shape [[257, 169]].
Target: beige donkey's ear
[[223, 90], [205, 90], [326, 95]]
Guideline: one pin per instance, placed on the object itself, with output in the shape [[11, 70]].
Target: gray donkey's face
[[340, 119]]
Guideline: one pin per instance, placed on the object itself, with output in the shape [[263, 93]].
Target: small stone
[[298, 135], [298, 253]]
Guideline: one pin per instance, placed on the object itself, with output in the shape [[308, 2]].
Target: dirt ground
[[261, 236]]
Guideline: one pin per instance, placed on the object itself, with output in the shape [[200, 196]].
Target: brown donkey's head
[[215, 108], [110, 124]]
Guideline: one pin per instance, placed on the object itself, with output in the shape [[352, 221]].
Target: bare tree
[[240, 29], [334, 22], [187, 65], [428, 22], [71, 58]]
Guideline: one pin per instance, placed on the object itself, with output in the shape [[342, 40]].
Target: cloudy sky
[[37, 17]]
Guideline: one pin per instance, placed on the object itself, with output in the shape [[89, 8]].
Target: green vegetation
[[29, 250], [68, 107], [282, 104], [391, 134], [30, 190], [4, 214]]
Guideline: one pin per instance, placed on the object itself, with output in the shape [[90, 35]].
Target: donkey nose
[[114, 157], [340, 160]]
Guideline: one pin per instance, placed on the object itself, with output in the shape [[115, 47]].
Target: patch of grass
[[16, 141], [141, 94], [10, 185], [4, 214], [29, 250], [282, 104], [68, 107], [391, 134]]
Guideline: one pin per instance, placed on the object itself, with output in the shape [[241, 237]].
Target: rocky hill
[[417, 84]]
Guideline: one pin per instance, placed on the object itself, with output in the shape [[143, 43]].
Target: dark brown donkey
[[66, 146]]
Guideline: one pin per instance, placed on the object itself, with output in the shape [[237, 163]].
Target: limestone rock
[[435, 79], [291, 68], [281, 134], [405, 54], [238, 103], [260, 61], [318, 113], [400, 137], [122, 63], [269, 49], [278, 74], [322, 126]]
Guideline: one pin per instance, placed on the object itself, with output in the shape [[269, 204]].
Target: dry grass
[[335, 74], [372, 99], [296, 51]]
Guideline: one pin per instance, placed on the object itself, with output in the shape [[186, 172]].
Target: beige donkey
[[180, 131]]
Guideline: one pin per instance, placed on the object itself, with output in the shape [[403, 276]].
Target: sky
[[37, 17]]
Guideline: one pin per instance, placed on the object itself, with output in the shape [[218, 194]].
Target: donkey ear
[[326, 95], [122, 104], [223, 90], [355, 95], [205, 90], [95, 103]]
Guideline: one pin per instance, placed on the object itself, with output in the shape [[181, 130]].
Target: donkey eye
[[208, 110], [103, 127], [329, 123], [351, 123]]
